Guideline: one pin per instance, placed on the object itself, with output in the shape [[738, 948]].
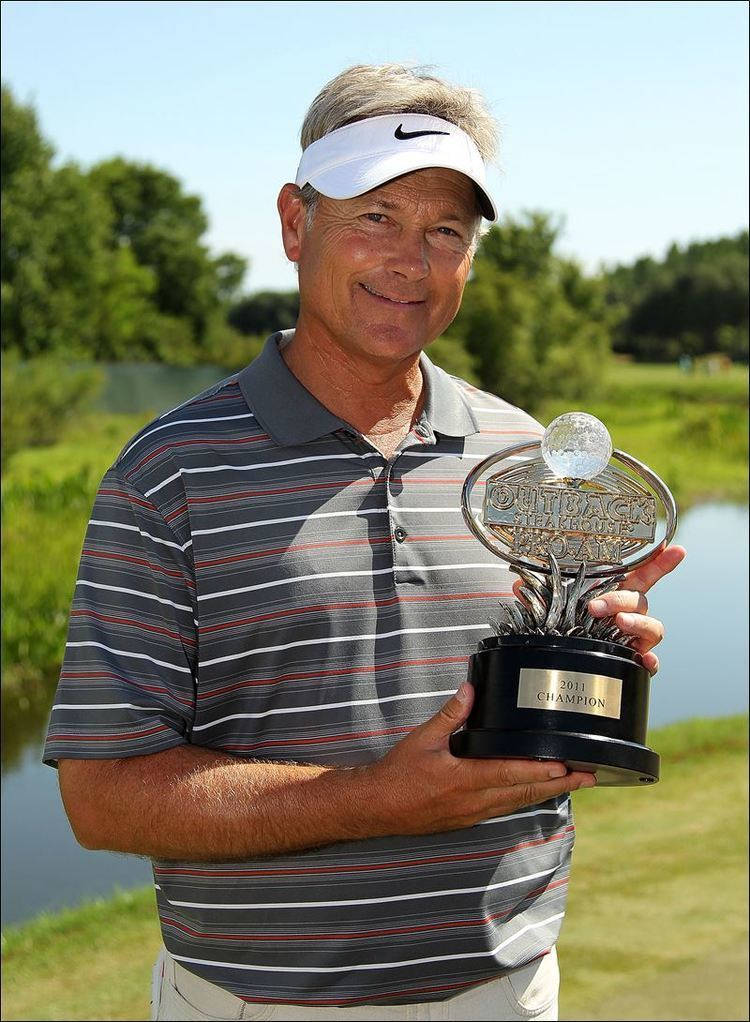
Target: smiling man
[[274, 609]]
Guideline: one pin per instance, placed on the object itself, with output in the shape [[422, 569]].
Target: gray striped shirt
[[258, 579]]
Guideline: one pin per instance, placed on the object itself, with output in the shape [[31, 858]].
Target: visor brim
[[357, 176]]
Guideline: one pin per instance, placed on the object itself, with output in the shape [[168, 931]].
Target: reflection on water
[[24, 724], [704, 673]]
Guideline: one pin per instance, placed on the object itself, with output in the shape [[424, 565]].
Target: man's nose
[[408, 257]]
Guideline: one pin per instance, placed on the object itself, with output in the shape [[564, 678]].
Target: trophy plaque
[[571, 516]]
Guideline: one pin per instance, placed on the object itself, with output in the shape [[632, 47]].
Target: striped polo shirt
[[258, 579]]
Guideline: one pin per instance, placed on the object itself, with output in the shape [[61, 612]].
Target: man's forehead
[[449, 191]]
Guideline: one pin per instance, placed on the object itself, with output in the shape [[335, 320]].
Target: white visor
[[365, 154]]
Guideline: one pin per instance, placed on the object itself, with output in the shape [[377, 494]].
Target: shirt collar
[[292, 415], [446, 407]]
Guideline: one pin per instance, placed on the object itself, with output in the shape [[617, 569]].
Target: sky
[[628, 121]]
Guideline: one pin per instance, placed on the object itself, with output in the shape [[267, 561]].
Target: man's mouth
[[388, 298]]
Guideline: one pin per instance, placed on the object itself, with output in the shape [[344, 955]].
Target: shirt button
[[399, 534], [422, 431]]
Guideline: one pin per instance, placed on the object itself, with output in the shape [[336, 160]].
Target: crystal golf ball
[[576, 445]]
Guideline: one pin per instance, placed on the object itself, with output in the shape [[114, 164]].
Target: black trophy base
[[581, 701]]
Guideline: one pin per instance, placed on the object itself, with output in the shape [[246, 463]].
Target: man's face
[[382, 274]]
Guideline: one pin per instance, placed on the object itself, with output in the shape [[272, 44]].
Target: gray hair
[[368, 90]]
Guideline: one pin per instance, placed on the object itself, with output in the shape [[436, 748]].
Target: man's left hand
[[629, 606]]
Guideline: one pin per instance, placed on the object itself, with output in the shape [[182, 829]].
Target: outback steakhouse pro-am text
[[571, 523]]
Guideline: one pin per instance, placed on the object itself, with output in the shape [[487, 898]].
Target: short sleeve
[[127, 684]]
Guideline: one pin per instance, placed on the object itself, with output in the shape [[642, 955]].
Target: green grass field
[[690, 428], [656, 925]]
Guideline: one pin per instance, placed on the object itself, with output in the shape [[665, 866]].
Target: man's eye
[[450, 231], [376, 218]]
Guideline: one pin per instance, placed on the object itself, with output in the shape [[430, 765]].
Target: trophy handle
[[485, 537]]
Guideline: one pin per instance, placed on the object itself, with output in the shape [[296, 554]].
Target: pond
[[703, 674]]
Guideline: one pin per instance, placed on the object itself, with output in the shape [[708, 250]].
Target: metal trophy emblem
[[555, 682]]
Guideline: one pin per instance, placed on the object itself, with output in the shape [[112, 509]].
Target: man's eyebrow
[[380, 202]]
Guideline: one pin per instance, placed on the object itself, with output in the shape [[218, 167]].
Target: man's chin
[[391, 344]]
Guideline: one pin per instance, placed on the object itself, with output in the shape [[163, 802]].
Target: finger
[[649, 574], [647, 630], [620, 600], [448, 719], [532, 794], [506, 773], [650, 662]]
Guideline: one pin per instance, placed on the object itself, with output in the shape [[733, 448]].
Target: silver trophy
[[555, 682]]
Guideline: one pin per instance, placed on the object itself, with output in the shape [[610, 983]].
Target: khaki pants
[[527, 993]]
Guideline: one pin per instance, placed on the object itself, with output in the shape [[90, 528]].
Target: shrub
[[39, 397]]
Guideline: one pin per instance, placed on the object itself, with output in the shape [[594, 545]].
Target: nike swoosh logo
[[401, 134]]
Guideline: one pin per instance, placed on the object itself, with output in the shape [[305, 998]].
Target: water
[[704, 604], [148, 387], [43, 868], [704, 674]]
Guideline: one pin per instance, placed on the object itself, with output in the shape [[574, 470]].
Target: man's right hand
[[424, 789]]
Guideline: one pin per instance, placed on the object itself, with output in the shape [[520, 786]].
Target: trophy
[[553, 682]]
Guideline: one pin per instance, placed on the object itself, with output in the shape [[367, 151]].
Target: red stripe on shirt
[[394, 931], [110, 737], [128, 496], [270, 551], [137, 560], [367, 867], [312, 608], [141, 686], [340, 671], [217, 442], [276, 742], [133, 624]]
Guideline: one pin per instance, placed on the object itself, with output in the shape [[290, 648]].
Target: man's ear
[[292, 215]]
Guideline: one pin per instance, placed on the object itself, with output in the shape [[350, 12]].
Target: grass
[[656, 925], [92, 962], [690, 428], [657, 919], [47, 493]]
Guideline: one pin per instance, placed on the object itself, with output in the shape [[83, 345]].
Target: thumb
[[450, 716]]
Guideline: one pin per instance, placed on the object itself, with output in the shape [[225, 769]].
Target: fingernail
[[597, 606], [463, 692], [588, 782], [557, 770]]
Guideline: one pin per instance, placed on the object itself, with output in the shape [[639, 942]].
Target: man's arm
[[195, 803]]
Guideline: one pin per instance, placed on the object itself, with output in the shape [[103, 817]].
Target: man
[[275, 605]]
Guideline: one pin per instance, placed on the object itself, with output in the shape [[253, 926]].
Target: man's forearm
[[195, 803]]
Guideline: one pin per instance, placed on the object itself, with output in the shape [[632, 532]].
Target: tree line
[[111, 264]]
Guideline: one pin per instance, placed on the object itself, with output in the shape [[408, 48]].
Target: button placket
[[399, 530]]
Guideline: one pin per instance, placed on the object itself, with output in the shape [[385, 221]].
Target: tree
[[265, 312], [54, 262], [163, 227], [23, 148], [693, 302], [105, 264], [534, 324]]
